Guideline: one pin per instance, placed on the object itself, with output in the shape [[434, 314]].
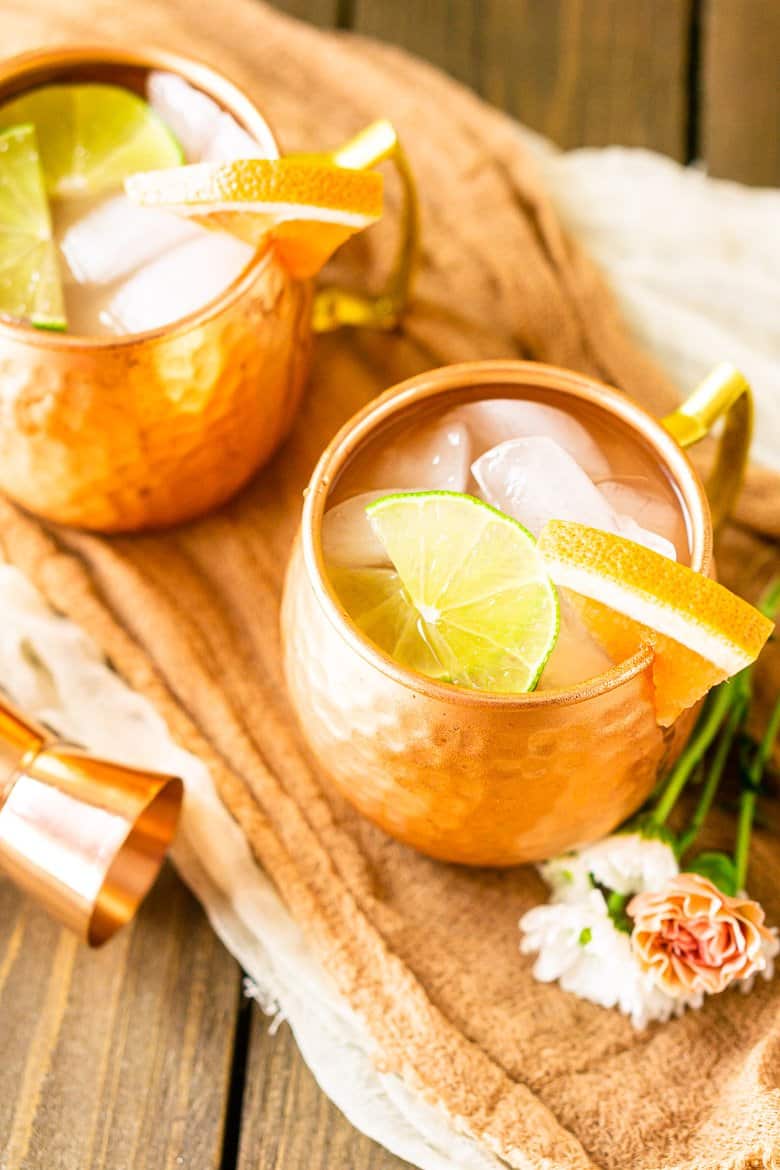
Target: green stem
[[769, 602], [616, 908], [747, 808], [747, 801], [715, 711], [733, 722], [767, 743]]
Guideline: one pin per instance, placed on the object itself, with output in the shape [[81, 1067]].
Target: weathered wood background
[[695, 79], [82, 1085]]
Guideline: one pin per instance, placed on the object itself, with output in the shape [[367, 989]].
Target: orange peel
[[700, 632], [306, 210]]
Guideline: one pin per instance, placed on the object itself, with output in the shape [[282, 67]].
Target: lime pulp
[[92, 137], [468, 599]]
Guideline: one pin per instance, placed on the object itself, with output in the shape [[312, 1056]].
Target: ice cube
[[635, 496], [204, 130], [434, 457], [106, 238], [229, 141], [495, 420], [347, 536], [576, 655], [177, 283], [628, 527], [536, 480]]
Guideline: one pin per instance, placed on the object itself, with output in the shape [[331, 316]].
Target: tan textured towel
[[426, 953]]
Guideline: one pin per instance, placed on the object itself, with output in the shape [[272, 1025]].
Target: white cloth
[[696, 267], [694, 263]]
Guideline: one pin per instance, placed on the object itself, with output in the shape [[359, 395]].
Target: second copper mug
[[494, 779], [144, 430]]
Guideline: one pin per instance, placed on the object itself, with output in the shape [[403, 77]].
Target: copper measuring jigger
[[84, 836]]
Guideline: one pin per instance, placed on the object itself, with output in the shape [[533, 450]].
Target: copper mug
[[144, 430], [494, 779]]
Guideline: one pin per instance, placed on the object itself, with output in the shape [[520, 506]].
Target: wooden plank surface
[[117, 1059], [288, 1122], [741, 90], [140, 1056], [445, 32], [582, 72]]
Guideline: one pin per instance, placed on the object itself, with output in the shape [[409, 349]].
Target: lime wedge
[[30, 287], [92, 137], [468, 601]]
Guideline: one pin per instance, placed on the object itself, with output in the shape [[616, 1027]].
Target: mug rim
[[211, 82], [428, 386]]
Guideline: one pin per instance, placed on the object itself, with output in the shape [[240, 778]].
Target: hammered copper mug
[[148, 429], [494, 779]]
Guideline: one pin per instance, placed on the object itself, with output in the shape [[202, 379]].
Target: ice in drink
[[126, 269]]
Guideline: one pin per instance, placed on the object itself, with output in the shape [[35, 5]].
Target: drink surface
[[126, 269], [533, 462]]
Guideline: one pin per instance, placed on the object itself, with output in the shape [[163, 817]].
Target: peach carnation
[[692, 938]]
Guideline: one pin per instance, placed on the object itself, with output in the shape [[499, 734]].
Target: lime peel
[[92, 136], [30, 285]]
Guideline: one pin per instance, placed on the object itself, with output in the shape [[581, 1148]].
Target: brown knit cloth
[[426, 953]]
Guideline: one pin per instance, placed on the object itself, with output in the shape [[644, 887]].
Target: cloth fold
[[424, 955]]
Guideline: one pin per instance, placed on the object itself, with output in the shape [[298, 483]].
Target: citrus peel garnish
[[631, 597], [305, 209]]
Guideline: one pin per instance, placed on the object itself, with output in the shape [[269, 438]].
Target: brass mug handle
[[725, 393], [334, 307]]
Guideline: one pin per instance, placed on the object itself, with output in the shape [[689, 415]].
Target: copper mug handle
[[724, 394], [334, 307]]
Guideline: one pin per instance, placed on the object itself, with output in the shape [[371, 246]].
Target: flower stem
[[767, 743], [751, 779], [715, 711], [734, 720], [747, 808], [616, 908], [769, 602]]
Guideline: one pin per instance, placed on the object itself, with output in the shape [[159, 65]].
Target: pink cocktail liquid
[[531, 460]]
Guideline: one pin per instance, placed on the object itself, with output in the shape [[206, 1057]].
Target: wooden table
[[146, 1055]]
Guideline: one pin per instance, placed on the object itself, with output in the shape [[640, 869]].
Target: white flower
[[579, 947], [630, 863], [625, 862], [567, 876]]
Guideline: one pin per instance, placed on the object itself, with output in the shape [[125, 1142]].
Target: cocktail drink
[[500, 614], [94, 263], [81, 255], [156, 257], [534, 463]]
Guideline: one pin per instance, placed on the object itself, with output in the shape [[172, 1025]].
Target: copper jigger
[[84, 836]]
